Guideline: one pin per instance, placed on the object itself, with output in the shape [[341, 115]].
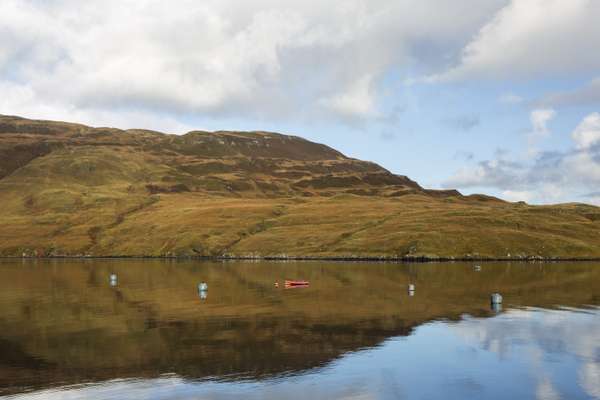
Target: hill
[[69, 189]]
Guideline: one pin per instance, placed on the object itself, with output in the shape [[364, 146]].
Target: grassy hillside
[[68, 189]]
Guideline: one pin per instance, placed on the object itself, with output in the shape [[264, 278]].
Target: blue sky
[[499, 96]]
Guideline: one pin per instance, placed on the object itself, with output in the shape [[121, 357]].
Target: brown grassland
[[72, 190]]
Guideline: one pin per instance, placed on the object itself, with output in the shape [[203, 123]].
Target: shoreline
[[421, 259]]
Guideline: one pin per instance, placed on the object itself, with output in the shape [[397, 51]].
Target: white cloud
[[551, 176], [539, 127], [539, 121], [357, 101], [22, 101], [498, 173], [587, 132], [515, 195], [259, 58], [582, 167], [533, 38]]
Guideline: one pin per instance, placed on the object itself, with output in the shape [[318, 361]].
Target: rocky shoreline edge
[[412, 259]]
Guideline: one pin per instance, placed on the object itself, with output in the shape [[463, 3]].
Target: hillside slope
[[68, 189]]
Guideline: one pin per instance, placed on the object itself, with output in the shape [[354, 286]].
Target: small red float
[[296, 283]]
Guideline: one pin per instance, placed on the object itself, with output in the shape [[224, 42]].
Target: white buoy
[[496, 298], [202, 290], [411, 288], [477, 268], [113, 279], [496, 302]]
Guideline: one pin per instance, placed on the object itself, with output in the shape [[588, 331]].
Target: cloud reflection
[[549, 337], [526, 353]]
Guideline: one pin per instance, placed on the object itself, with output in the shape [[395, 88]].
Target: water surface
[[68, 330]]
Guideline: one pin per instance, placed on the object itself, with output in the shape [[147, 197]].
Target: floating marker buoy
[[477, 268], [113, 279], [496, 302], [496, 298], [202, 290], [411, 288]]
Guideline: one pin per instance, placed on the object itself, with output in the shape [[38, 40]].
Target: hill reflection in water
[[355, 331]]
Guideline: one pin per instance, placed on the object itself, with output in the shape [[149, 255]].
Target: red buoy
[[296, 283]]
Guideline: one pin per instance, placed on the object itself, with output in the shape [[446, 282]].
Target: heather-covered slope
[[234, 164], [68, 189]]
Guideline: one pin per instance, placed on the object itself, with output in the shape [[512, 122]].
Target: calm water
[[67, 331]]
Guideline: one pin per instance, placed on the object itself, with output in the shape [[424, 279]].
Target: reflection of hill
[[62, 322]]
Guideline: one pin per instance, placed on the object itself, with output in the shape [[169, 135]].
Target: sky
[[498, 96]]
